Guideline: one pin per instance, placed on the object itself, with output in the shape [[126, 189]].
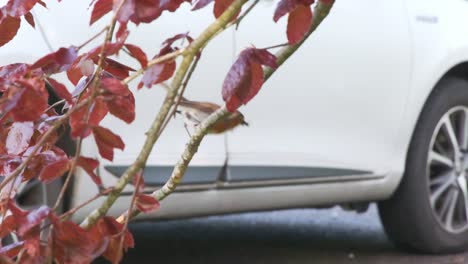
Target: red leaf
[[11, 250], [221, 5], [137, 53], [8, 28], [83, 119], [117, 69], [30, 19], [245, 78], [35, 251], [110, 48], [78, 124], [284, 7], [264, 57], [74, 73], [201, 4], [17, 8], [54, 170], [106, 142], [122, 31], [299, 20], [168, 42], [158, 73], [60, 90], [101, 8], [10, 73], [299, 23], [26, 221], [27, 101], [42, 160], [19, 137], [89, 165], [115, 86], [171, 6], [126, 11], [146, 11], [239, 71], [33, 219], [8, 225], [110, 227], [58, 61], [123, 107], [73, 244], [146, 203], [139, 182], [97, 112]]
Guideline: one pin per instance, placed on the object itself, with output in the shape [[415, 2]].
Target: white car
[[374, 107]]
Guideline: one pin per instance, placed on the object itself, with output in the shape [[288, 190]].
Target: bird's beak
[[244, 123]]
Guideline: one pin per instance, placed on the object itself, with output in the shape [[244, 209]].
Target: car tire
[[419, 216]]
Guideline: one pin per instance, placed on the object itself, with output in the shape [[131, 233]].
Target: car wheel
[[428, 212]]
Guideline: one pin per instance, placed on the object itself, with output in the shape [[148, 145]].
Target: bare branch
[[321, 11], [153, 133]]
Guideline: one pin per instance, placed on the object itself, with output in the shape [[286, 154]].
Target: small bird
[[195, 112]]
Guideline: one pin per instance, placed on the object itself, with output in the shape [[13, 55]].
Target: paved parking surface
[[291, 236]]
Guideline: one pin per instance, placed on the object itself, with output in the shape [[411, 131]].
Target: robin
[[195, 112]]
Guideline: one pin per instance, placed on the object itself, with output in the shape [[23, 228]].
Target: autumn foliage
[[36, 109]]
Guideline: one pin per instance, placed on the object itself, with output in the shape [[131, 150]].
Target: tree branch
[[321, 11], [153, 132], [42, 140]]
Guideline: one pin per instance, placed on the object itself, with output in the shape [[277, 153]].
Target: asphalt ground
[[291, 236]]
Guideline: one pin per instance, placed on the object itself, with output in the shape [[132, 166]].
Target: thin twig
[[177, 53], [277, 46], [247, 11], [93, 37], [4, 211], [153, 62], [69, 175], [130, 209], [42, 140], [321, 10], [70, 212], [110, 32], [54, 105], [181, 94], [152, 134]]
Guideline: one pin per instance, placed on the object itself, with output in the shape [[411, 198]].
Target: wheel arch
[[418, 98]]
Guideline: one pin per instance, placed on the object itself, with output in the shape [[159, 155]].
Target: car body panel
[[209, 201], [438, 46], [214, 63], [336, 120], [327, 106]]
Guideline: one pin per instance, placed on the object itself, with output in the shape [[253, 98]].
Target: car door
[[66, 23], [334, 108]]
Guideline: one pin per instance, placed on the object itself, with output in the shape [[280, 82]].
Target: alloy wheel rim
[[447, 166]]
